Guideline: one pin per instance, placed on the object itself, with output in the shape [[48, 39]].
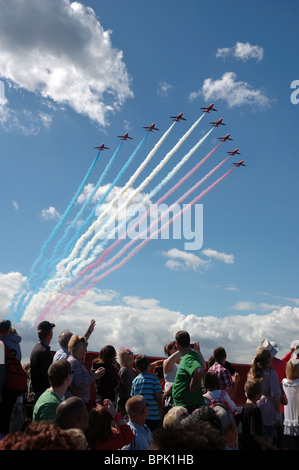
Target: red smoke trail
[[144, 242]]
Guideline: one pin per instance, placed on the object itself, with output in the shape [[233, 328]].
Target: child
[[291, 411], [251, 419]]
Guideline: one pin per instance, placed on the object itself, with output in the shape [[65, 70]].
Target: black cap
[[45, 326], [5, 326]]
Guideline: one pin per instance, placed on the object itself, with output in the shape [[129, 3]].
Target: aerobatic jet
[[178, 118], [101, 147], [209, 108], [151, 128], [225, 138], [241, 163], [124, 137], [218, 123], [234, 152]]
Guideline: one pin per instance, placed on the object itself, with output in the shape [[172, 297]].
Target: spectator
[[227, 381], [41, 359], [175, 416], [127, 373], [170, 367], [137, 410], [72, 413], [291, 410], [81, 378], [186, 389], [101, 433], [229, 428], [107, 383], [215, 393], [39, 437], [252, 437], [269, 403], [63, 340], [60, 377], [8, 397], [148, 385], [294, 346]]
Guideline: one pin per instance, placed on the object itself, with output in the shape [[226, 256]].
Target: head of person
[[125, 357], [107, 354], [77, 346], [100, 426], [142, 363], [203, 414], [261, 361], [5, 327], [72, 413], [182, 339], [175, 416], [228, 423], [63, 338], [253, 389], [211, 381], [45, 331], [292, 369], [60, 373], [39, 436], [219, 355], [170, 348], [137, 409]]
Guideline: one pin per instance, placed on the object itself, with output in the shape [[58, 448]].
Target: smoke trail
[[148, 197], [53, 234], [136, 191], [144, 242], [162, 199], [108, 250], [85, 236]]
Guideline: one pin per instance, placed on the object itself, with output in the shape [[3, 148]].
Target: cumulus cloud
[[164, 88], [177, 259], [242, 51], [58, 50], [233, 92], [221, 256], [50, 213], [145, 326]]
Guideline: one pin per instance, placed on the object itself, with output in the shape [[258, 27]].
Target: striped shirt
[[147, 385]]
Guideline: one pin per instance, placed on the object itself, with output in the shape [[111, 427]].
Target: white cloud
[[178, 259], [50, 213], [59, 50], [242, 51], [164, 88], [145, 327], [221, 256], [16, 205], [235, 93], [244, 305]]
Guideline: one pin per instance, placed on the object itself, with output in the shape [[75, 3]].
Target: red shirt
[[119, 439]]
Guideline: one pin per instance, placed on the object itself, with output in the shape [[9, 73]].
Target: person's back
[[41, 358], [148, 385]]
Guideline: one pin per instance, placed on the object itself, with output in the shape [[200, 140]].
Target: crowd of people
[[180, 403]]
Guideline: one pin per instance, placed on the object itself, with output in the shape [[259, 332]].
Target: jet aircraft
[[225, 138], [218, 123], [151, 128], [124, 137], [241, 163], [101, 147], [209, 108], [178, 118], [234, 152]]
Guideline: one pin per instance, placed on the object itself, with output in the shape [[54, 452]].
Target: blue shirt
[[143, 437], [147, 385]]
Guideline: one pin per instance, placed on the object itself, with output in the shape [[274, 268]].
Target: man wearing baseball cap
[[41, 358]]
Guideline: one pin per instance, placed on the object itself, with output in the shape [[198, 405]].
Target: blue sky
[[77, 74]]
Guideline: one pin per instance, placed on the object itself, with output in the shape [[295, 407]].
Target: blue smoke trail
[[52, 236]]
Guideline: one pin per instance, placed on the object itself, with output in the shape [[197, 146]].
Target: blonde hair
[[174, 416], [260, 362], [76, 343], [123, 357], [292, 369]]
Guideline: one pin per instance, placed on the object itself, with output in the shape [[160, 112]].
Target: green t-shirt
[[181, 393], [45, 407]]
